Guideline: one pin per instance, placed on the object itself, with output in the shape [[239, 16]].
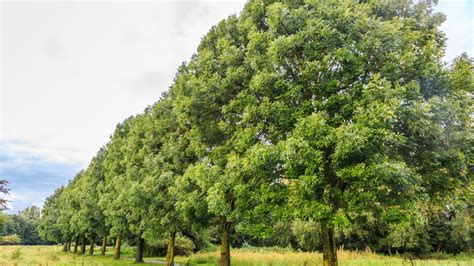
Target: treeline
[[311, 124], [21, 228]]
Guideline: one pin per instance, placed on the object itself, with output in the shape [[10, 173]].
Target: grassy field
[[52, 255]]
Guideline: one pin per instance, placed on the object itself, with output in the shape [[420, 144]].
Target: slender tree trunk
[[140, 246], [329, 246], [68, 247], [118, 243], [91, 248], [76, 244], [225, 242], [83, 246], [104, 246], [65, 246], [170, 250]]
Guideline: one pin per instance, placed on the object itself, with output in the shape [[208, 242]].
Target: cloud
[[151, 81], [54, 49], [458, 27], [31, 178]]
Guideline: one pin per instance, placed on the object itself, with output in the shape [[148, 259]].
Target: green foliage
[[24, 224], [307, 234], [11, 239]]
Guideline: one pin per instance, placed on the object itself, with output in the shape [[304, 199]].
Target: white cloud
[[72, 70], [458, 27], [12, 197]]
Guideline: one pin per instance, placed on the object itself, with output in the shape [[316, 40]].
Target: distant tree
[[32, 213], [24, 225], [3, 190]]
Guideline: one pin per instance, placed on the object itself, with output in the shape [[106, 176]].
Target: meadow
[[53, 255]]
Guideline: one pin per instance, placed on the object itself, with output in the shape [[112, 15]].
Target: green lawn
[[52, 255]]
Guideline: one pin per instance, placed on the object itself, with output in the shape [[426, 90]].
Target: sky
[[71, 70]]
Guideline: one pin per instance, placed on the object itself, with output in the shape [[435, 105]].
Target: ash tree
[[111, 192], [48, 227], [366, 107], [90, 216]]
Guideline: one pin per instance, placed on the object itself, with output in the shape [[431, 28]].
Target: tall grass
[[53, 255], [280, 257]]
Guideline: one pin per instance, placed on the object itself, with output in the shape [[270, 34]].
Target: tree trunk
[[76, 244], [91, 248], [225, 242], [170, 250], [83, 246], [329, 246], [68, 247], [118, 243], [140, 246], [65, 246], [104, 246]]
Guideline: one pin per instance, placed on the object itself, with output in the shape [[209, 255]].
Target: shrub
[[10, 239], [307, 234], [184, 246]]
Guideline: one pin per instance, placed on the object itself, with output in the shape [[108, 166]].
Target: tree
[[369, 135], [3, 190], [138, 201], [170, 153], [111, 197], [48, 227], [73, 220], [32, 213], [90, 216]]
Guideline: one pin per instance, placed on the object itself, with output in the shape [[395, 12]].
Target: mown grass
[[52, 255]]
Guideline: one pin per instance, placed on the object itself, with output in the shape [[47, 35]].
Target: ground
[[52, 255]]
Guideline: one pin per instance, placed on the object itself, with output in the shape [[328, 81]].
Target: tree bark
[[104, 246], [225, 242], [118, 243], [170, 250], [140, 247], [68, 247], [91, 248], [83, 246], [65, 246], [329, 246], [76, 244]]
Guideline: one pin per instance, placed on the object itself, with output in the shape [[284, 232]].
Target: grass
[[53, 255], [265, 257]]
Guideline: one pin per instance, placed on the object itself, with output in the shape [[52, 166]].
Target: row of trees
[[334, 112]]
